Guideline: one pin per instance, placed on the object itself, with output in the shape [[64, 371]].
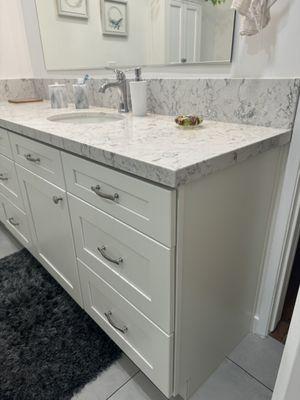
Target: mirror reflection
[[88, 34]]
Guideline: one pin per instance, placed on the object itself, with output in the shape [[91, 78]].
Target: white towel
[[255, 15], [241, 6]]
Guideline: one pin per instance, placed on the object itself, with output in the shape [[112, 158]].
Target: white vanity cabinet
[[171, 275]]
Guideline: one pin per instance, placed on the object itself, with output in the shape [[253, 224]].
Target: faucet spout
[[121, 85], [108, 85]]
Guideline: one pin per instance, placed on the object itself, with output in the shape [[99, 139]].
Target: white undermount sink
[[86, 118]]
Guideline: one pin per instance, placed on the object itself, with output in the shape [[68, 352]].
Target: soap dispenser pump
[[138, 91]]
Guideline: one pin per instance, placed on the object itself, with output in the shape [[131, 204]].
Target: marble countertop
[[151, 147]]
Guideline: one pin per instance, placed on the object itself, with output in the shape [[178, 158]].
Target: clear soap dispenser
[[80, 90], [138, 91]]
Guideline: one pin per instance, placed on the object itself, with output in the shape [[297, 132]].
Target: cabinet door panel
[[9, 184], [51, 229], [5, 147], [15, 221]]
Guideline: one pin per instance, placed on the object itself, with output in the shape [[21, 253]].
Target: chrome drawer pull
[[32, 159], [102, 252], [109, 316], [13, 222], [57, 199], [97, 190], [3, 177]]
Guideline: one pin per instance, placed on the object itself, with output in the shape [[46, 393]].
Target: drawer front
[[5, 147], [141, 269], [148, 208], [149, 347], [9, 184], [38, 158], [16, 221]]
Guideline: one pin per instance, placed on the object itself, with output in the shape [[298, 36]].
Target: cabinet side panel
[[223, 222]]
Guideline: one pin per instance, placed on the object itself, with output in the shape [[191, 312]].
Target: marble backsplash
[[16, 89], [266, 102]]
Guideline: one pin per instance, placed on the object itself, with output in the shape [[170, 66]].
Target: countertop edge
[[154, 173]]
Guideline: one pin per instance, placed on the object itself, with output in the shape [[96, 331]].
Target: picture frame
[[73, 8], [114, 17]]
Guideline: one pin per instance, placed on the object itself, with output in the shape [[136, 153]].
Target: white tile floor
[[249, 373]]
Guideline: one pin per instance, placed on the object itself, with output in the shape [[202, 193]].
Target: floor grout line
[[248, 373], [123, 384]]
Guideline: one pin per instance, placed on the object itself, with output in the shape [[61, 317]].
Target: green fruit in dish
[[188, 120]]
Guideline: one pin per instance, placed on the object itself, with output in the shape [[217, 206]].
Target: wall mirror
[[90, 34]]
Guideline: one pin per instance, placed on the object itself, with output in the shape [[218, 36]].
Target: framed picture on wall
[[73, 8], [114, 17]]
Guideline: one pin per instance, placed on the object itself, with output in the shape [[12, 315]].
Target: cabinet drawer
[[38, 158], [9, 184], [147, 207], [149, 347], [141, 269], [5, 147], [15, 220]]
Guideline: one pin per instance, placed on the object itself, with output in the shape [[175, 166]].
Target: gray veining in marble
[[266, 102], [151, 147]]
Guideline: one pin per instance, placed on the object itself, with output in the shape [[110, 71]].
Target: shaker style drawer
[[5, 147], [141, 269], [15, 220], [147, 207], [149, 347], [9, 184], [41, 159]]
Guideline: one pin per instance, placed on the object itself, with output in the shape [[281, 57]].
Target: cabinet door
[[49, 219]]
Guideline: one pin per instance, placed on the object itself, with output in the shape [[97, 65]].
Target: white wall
[[74, 43], [15, 61], [273, 53]]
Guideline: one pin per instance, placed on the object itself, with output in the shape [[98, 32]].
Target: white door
[[287, 385], [184, 35], [175, 13], [192, 27], [48, 213]]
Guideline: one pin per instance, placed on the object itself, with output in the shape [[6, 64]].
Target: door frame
[[282, 243], [287, 382]]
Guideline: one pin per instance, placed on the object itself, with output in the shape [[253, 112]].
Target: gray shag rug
[[49, 347]]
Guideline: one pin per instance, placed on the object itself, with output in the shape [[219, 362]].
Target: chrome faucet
[[121, 85]]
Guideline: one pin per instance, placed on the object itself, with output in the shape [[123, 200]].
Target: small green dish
[[188, 121]]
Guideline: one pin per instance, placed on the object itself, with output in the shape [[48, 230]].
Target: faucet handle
[[119, 73]]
